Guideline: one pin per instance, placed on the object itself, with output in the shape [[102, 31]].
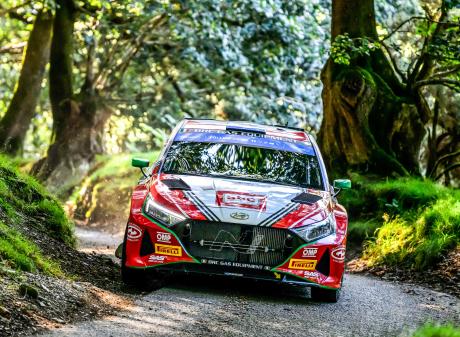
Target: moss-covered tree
[[16, 121], [79, 116], [78, 119], [374, 113]]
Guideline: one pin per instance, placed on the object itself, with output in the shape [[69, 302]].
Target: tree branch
[[17, 48], [440, 81], [3, 11], [441, 159], [400, 25], [447, 170], [448, 72], [393, 61]]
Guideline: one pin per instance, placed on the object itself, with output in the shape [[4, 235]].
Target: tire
[[325, 295], [140, 279]]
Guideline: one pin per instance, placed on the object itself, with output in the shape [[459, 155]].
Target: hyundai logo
[[239, 215]]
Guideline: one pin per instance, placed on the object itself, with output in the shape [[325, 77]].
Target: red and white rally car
[[238, 199]]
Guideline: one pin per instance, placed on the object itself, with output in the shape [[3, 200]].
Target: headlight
[[317, 230], [161, 213]]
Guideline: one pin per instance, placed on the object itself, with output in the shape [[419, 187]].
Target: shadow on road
[[251, 289]]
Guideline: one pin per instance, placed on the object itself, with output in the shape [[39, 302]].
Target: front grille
[[239, 243]]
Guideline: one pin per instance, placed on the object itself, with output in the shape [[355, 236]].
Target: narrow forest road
[[215, 307]]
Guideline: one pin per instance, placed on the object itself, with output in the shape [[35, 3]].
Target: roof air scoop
[[176, 184], [306, 198]]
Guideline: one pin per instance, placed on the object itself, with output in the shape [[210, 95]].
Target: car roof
[[272, 130]]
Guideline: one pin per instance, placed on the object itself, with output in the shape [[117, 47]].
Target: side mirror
[[140, 163], [342, 184]]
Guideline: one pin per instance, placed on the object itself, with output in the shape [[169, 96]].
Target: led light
[[317, 230], [161, 213]]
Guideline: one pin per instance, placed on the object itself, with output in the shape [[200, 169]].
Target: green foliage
[[421, 220], [430, 330], [371, 198], [344, 49], [104, 195], [360, 230], [21, 194], [16, 251], [116, 166]]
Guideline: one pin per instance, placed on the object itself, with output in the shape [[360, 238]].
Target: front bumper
[[231, 250]]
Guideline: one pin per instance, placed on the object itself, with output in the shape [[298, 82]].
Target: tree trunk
[[78, 120], [370, 122], [15, 123]]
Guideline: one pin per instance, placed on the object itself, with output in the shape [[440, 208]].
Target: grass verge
[[437, 331], [18, 252], [24, 203], [405, 222]]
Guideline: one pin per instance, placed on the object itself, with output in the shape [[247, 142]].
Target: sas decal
[[310, 274], [301, 264], [168, 250], [156, 258]]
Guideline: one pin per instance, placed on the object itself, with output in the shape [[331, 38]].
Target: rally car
[[238, 199]]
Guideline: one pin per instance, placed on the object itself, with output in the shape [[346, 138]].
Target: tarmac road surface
[[215, 307]]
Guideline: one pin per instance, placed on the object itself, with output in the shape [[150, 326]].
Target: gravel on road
[[216, 307]]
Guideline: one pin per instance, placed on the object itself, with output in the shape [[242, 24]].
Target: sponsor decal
[[338, 254], [241, 199], [301, 264], [164, 237], [157, 258], [245, 138], [310, 274], [240, 215], [235, 264], [277, 275], [137, 195], [137, 210], [168, 250], [134, 232], [309, 252]]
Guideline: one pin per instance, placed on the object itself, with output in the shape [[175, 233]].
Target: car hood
[[240, 201]]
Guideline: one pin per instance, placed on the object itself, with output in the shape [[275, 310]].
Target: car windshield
[[243, 162]]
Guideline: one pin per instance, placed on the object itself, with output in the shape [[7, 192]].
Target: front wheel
[[325, 295]]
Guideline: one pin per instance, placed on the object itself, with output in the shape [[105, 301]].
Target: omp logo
[[309, 252], [338, 254], [227, 239], [168, 250], [133, 232], [164, 237], [302, 264]]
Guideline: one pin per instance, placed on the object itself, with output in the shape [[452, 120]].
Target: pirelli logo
[[302, 264], [168, 250]]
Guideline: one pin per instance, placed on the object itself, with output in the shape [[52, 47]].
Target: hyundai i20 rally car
[[238, 199]]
